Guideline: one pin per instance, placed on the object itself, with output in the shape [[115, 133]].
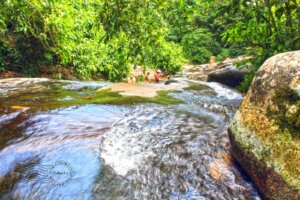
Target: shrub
[[96, 38], [236, 50], [168, 57], [246, 83], [223, 55], [199, 45]]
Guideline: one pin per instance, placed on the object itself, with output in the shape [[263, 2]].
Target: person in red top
[[148, 78], [157, 76]]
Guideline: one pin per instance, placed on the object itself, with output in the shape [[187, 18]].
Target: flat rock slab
[[143, 89], [8, 85]]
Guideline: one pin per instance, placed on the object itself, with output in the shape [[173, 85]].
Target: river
[[54, 146]]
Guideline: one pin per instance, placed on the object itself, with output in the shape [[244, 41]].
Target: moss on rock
[[267, 126], [197, 86], [285, 111], [54, 96]]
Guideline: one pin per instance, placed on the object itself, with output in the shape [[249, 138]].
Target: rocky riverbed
[[70, 140]]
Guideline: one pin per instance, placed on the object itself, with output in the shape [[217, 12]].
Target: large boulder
[[230, 76], [265, 132]]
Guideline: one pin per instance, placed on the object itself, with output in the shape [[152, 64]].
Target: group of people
[[157, 77]]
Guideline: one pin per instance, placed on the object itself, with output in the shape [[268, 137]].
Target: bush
[[253, 64], [96, 38], [2, 62], [2, 66], [246, 83], [223, 55], [236, 50], [168, 57], [199, 45], [201, 55]]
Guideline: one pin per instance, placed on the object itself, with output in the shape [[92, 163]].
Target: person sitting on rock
[[157, 75], [148, 77], [131, 79]]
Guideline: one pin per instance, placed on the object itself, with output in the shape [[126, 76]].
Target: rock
[[229, 76], [143, 89], [170, 81], [11, 85], [265, 132], [219, 168], [200, 72]]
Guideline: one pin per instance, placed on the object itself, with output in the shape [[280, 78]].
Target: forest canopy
[[105, 37]]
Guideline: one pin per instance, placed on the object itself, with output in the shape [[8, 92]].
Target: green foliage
[[236, 50], [199, 45], [2, 58], [167, 56], [223, 55], [96, 38], [180, 15], [265, 27], [252, 64], [200, 55], [246, 83], [197, 26], [104, 38]]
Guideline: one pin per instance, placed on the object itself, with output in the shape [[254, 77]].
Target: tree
[[96, 37], [266, 27]]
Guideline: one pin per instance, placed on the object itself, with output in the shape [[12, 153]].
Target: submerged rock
[[219, 168], [229, 76], [265, 131]]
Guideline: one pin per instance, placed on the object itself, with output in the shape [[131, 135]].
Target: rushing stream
[[52, 150]]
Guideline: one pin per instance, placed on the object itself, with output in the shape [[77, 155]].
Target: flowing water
[[54, 146]]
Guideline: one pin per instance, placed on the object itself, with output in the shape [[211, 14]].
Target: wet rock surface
[[10, 85], [265, 131], [63, 142], [201, 72], [144, 89], [229, 76]]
